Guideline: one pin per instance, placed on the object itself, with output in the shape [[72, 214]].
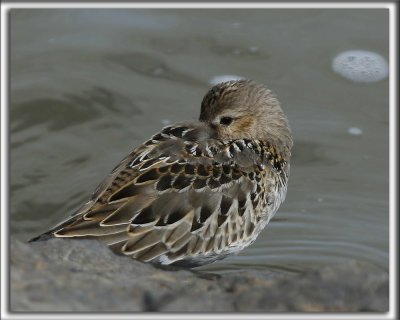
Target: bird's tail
[[42, 237]]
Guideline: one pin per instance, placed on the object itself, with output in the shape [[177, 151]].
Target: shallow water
[[89, 85]]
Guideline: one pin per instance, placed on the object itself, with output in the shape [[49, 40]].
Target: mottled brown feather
[[195, 192]]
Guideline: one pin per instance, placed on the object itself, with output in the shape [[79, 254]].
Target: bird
[[197, 191]]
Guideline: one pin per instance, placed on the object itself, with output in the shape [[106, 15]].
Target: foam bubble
[[361, 66], [253, 49], [355, 131], [224, 78]]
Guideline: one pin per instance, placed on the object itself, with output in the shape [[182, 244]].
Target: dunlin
[[196, 191]]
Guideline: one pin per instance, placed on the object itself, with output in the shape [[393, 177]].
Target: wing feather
[[174, 197]]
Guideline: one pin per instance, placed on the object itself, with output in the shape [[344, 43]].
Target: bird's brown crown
[[244, 109]]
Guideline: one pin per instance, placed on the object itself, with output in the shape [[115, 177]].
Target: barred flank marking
[[216, 172], [226, 169], [177, 132], [164, 183], [195, 225], [175, 216], [189, 169], [176, 168], [221, 219], [158, 137], [126, 192], [181, 182], [249, 229], [205, 213], [148, 164], [149, 175], [199, 183], [163, 169], [145, 216], [224, 179], [236, 174], [213, 183], [201, 170], [226, 203]]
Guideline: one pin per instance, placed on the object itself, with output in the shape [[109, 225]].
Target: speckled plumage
[[196, 191]]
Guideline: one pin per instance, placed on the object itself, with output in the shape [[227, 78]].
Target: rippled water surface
[[87, 86]]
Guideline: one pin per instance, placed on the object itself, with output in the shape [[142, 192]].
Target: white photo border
[[393, 160]]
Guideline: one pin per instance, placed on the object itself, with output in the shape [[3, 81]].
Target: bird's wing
[[172, 197]]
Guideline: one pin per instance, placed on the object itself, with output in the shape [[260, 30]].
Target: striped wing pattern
[[182, 199]]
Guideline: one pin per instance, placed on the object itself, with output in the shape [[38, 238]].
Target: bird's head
[[244, 109]]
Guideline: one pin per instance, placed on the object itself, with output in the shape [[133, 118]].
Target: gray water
[[87, 86]]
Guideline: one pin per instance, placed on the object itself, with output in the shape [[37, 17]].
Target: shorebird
[[196, 191]]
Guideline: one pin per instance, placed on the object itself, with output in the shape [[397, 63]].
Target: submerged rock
[[84, 275]]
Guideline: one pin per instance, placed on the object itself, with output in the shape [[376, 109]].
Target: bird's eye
[[226, 121]]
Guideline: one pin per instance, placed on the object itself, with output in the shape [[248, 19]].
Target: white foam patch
[[355, 131], [224, 78], [253, 49], [361, 66]]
